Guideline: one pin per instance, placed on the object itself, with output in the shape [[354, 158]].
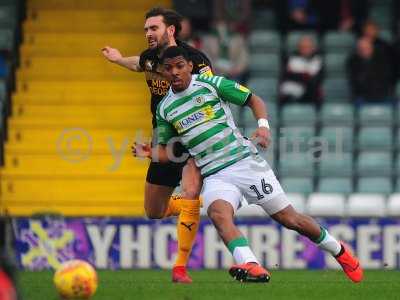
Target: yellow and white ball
[[76, 279]]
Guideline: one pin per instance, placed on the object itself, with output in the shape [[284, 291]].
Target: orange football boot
[[179, 275], [249, 272], [350, 265]]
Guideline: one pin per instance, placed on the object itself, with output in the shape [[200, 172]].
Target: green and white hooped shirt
[[201, 118]]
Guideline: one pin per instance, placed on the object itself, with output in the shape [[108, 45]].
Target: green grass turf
[[153, 284]]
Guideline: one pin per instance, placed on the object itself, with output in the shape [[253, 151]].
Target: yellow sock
[[188, 223], [174, 207]]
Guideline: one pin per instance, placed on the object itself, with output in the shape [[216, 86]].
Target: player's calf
[[247, 268], [307, 226]]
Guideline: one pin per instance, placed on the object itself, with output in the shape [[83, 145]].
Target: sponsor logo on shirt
[[196, 118], [148, 64]]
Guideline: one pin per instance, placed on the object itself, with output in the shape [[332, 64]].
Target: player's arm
[[156, 154], [262, 135], [129, 62], [233, 92], [163, 152]]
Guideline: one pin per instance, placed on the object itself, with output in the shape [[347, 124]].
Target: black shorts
[[168, 174]]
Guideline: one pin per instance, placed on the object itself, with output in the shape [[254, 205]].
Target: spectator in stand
[[369, 72], [344, 15], [186, 34], [237, 14], [302, 77], [198, 11], [370, 31], [228, 52], [396, 55], [303, 14], [3, 67]]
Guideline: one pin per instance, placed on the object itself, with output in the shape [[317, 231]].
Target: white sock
[[329, 243], [243, 255]]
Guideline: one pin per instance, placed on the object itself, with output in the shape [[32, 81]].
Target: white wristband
[[263, 123]]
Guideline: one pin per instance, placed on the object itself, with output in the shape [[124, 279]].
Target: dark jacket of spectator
[[369, 72], [302, 76]]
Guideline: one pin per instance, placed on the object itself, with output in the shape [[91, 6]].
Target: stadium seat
[[298, 201], [293, 38], [372, 164], [264, 19], [338, 42], [3, 90], [336, 89], [336, 165], [266, 88], [393, 205], [297, 185], [340, 185], [366, 205], [382, 16], [375, 138], [326, 205], [386, 35], [398, 89], [6, 39], [335, 64], [248, 119], [296, 164], [264, 41], [338, 138], [372, 185], [338, 114], [298, 114], [83, 91], [8, 16], [375, 114], [264, 64], [294, 139]]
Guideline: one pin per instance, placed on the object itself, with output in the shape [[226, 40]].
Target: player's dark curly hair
[[170, 17], [174, 51]]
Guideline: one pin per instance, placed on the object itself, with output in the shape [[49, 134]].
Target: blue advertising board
[[126, 243]]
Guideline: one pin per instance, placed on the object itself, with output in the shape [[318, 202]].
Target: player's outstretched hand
[[111, 54], [141, 150], [262, 137]]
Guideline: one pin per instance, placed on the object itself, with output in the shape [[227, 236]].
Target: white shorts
[[251, 178]]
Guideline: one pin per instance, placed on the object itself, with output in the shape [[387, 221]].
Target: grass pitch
[[155, 284]]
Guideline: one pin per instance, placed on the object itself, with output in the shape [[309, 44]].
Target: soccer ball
[[75, 279]]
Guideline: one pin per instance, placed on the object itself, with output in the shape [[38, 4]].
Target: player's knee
[[219, 218], [191, 192], [151, 214]]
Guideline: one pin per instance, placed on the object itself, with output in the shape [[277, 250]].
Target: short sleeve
[[233, 92], [201, 65], [165, 130]]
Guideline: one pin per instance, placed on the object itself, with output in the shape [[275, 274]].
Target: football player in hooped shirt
[[161, 28], [196, 109]]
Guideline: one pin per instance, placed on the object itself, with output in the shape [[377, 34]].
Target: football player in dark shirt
[[161, 28]]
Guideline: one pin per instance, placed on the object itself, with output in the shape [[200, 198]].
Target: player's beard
[[163, 43]]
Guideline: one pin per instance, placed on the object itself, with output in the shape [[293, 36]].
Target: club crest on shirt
[[199, 100]]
